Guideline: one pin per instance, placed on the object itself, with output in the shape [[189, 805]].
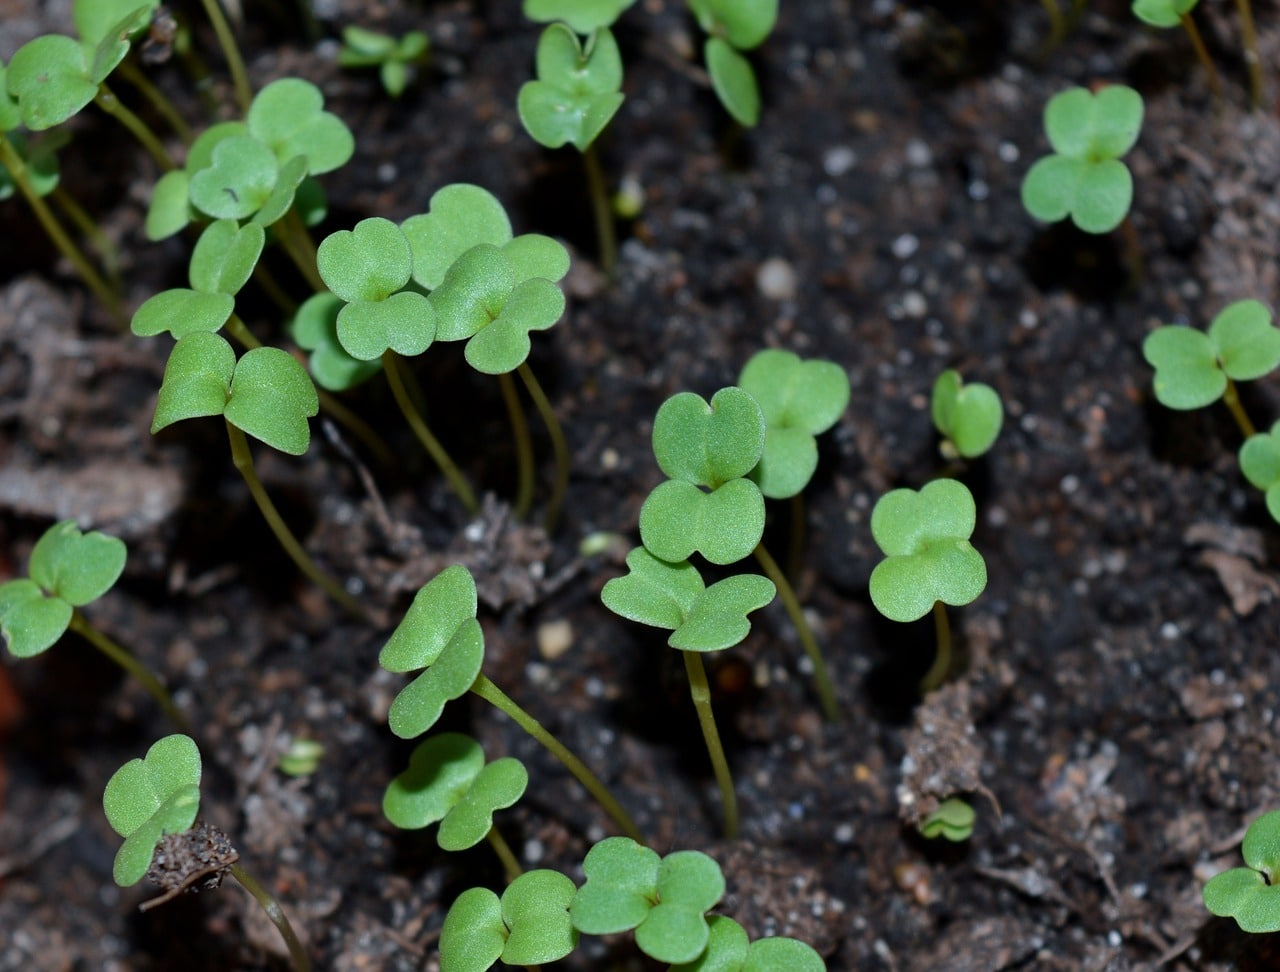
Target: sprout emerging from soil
[[967, 416], [397, 59], [734, 27], [1251, 894], [953, 820], [529, 925]]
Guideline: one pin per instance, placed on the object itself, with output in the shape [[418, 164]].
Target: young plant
[[1251, 894], [1171, 13], [734, 27], [315, 329], [152, 803], [1084, 177], [441, 639], [582, 16], [529, 925], [69, 570], [929, 561], [729, 949], [953, 820], [1260, 463], [397, 59], [967, 416]]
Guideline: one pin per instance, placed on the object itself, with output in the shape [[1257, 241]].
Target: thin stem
[[505, 854], [17, 170], [297, 955], [700, 691], [821, 680], [524, 446], [603, 212], [275, 293], [1231, 397], [590, 782], [559, 447], [937, 673], [235, 63], [796, 541], [1057, 27], [154, 687], [299, 249], [242, 456], [89, 229], [113, 106], [398, 378], [157, 99], [1202, 54], [1253, 63]]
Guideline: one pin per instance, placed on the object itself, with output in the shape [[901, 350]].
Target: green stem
[[937, 673], [89, 229], [113, 106], [1231, 397], [275, 293], [1202, 54], [602, 211], [1253, 63], [17, 170], [132, 666], [700, 691], [559, 447], [297, 244], [821, 680], [398, 378], [524, 446], [796, 541], [505, 854], [230, 50], [1057, 27], [297, 955], [590, 782], [242, 456], [157, 99]]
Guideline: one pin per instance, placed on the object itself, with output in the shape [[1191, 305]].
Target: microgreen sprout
[[729, 949], [953, 819], [441, 639], [1171, 13], [397, 59], [315, 328], [1251, 894], [529, 925], [152, 803], [301, 757], [968, 416], [69, 570], [735, 26], [929, 561], [1084, 177], [1260, 463], [582, 16]]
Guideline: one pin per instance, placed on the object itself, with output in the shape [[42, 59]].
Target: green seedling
[[730, 950], [1251, 895], [663, 899], [315, 329], [151, 802], [953, 820], [448, 782], [929, 561], [673, 596], [967, 416], [529, 925], [301, 758], [69, 570], [1171, 13], [735, 26], [1084, 177], [1260, 463], [266, 394], [441, 639], [397, 59], [582, 16]]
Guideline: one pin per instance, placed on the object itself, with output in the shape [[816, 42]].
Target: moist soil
[[1111, 710]]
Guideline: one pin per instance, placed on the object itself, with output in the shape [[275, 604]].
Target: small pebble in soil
[[554, 638], [776, 279], [838, 160], [905, 246]]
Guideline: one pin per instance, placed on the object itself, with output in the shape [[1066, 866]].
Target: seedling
[[1171, 13], [1251, 895], [1084, 177], [929, 561], [315, 329], [730, 950], [582, 16], [441, 637], [301, 758], [397, 59], [1260, 463], [967, 416], [152, 803], [529, 925], [735, 26], [953, 820], [448, 782], [69, 570]]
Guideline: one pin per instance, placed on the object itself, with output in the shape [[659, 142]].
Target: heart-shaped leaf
[[49, 76], [678, 519], [439, 610], [197, 379], [583, 16], [953, 819], [689, 885], [528, 926], [1187, 373], [968, 416], [370, 262], [1251, 894], [288, 115], [225, 255], [535, 255], [77, 567], [315, 328], [460, 217], [503, 344], [743, 23], [181, 312], [271, 399], [404, 323], [654, 592], [727, 948], [1260, 463], [238, 181], [709, 444], [30, 621], [473, 293], [621, 887], [473, 934], [420, 703], [718, 618], [1245, 341], [578, 88], [925, 537]]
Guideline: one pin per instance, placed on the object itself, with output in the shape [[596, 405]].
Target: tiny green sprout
[[1195, 369], [799, 400], [529, 925], [924, 535], [288, 116], [710, 447], [150, 797], [1251, 895], [735, 26], [315, 328], [664, 899], [953, 819], [1084, 177], [968, 416], [396, 59], [1260, 463], [448, 782], [459, 216], [583, 16], [301, 758], [578, 89], [730, 950]]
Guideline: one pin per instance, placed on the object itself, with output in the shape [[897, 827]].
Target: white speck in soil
[[919, 155], [839, 160], [1169, 632], [905, 246], [843, 834], [776, 279], [533, 850], [387, 173], [1008, 152]]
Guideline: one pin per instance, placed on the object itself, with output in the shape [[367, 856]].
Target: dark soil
[[1113, 712]]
